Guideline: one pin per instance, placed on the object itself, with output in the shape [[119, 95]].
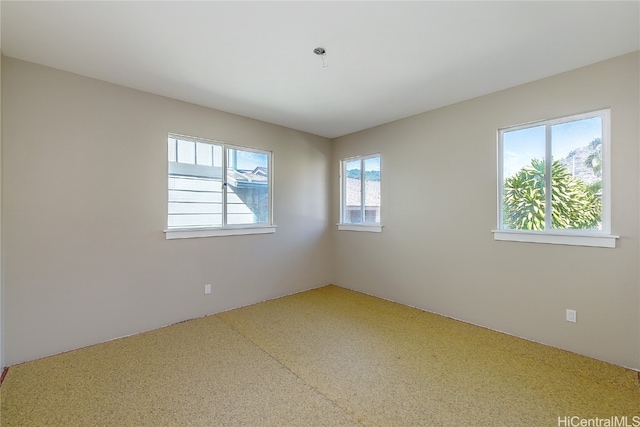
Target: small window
[[554, 180], [360, 195], [217, 189]]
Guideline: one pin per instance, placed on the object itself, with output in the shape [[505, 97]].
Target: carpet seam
[[271, 356]]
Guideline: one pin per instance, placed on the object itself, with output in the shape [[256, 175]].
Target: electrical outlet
[[207, 289], [571, 316]]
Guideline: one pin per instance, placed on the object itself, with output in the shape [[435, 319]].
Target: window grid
[[604, 225], [359, 214], [207, 192]]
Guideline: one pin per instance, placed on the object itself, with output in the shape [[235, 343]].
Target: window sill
[[557, 238], [371, 228], [189, 233]]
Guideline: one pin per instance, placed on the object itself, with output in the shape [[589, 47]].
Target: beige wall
[[437, 251], [2, 359], [84, 204]]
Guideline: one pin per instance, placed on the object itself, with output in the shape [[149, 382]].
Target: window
[[554, 181], [360, 195], [217, 189]]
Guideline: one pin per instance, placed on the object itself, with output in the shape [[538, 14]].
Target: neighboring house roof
[[353, 192], [262, 171], [236, 177]]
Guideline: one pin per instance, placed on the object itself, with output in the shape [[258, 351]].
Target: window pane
[[195, 188], [172, 149], [523, 169], [247, 187], [204, 154], [576, 175], [186, 152], [202, 194], [217, 156], [372, 189], [353, 192], [194, 202]]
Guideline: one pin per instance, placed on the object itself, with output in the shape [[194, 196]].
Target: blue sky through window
[[372, 164], [522, 145], [248, 160]]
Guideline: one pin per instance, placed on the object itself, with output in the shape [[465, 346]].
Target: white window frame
[[225, 229], [597, 238], [374, 227]]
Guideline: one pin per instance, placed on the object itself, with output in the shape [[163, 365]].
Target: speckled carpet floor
[[329, 357]]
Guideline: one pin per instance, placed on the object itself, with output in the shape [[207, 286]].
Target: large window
[[554, 181], [360, 195], [218, 188]]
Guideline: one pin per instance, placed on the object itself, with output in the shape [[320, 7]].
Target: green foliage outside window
[[575, 205]]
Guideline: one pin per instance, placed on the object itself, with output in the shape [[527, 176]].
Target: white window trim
[[599, 238], [188, 233], [558, 238], [373, 227], [225, 230]]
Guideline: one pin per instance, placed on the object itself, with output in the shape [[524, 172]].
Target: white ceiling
[[386, 60]]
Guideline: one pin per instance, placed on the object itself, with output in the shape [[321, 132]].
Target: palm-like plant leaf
[[572, 204]]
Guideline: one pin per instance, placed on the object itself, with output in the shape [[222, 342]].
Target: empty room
[[320, 213]]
